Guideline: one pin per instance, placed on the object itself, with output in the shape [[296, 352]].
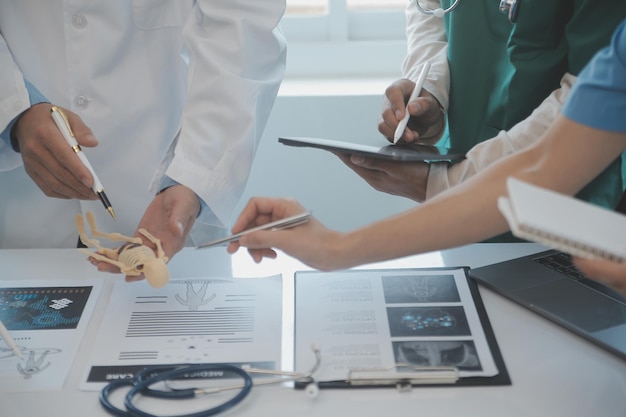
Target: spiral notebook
[[563, 222]]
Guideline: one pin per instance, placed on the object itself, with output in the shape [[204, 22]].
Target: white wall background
[[338, 66], [318, 179]]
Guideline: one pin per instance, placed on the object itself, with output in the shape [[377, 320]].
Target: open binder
[[341, 296]]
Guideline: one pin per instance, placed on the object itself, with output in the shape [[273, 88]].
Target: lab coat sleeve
[[13, 101], [442, 176], [427, 41], [236, 64]]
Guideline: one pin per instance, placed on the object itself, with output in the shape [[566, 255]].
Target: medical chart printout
[[200, 320], [48, 324], [375, 319]]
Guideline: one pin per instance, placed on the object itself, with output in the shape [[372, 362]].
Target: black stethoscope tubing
[[140, 384]]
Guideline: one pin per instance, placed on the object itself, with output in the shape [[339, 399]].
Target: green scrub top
[[501, 71]]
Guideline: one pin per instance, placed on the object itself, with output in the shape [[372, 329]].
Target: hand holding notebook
[[563, 222]]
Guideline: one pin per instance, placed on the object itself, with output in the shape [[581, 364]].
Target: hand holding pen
[[410, 113], [48, 159], [62, 122]]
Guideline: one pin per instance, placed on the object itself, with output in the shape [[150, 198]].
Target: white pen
[[419, 84], [4, 333], [60, 119]]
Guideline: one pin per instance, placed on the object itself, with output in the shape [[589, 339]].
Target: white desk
[[554, 372]]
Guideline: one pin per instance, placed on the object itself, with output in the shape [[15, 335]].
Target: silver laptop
[[548, 284]]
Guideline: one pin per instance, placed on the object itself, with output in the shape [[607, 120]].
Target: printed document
[[375, 319], [48, 324], [205, 320]]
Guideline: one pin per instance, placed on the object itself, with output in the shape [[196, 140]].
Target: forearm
[[427, 41], [468, 213], [524, 134]]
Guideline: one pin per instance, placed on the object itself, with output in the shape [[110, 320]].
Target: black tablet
[[399, 152]]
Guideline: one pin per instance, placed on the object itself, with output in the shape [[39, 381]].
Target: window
[[337, 38]]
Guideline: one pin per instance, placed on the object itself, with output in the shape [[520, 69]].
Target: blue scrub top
[[598, 98]]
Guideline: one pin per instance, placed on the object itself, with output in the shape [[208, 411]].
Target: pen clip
[[65, 119]]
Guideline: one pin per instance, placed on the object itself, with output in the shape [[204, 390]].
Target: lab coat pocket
[[157, 14]]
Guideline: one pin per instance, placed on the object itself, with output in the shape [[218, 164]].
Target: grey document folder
[[549, 285]]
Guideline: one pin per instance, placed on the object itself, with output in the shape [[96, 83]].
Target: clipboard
[[405, 376], [400, 152]]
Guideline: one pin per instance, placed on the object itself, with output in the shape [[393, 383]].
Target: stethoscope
[[508, 7], [142, 382]]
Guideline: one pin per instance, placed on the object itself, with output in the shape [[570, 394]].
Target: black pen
[[64, 126]]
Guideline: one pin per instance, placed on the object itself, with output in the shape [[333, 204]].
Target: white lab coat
[[118, 65]]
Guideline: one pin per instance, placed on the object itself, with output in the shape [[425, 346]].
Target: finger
[[265, 240], [425, 106], [371, 163], [421, 106], [56, 169], [260, 211], [51, 186], [600, 269], [387, 124], [71, 171], [247, 217], [66, 164], [233, 247], [107, 267], [397, 94], [183, 217], [394, 107], [258, 254], [83, 134]]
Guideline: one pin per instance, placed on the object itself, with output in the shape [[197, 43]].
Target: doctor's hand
[[610, 273], [310, 242], [48, 159], [427, 121], [169, 217], [405, 179]]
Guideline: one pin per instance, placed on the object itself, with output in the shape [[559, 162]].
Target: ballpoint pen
[[277, 225], [4, 333], [60, 119], [419, 84]]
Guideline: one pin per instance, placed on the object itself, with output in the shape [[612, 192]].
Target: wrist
[[15, 144]]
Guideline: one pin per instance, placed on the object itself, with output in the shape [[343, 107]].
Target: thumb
[[363, 162], [182, 218], [178, 228], [419, 107]]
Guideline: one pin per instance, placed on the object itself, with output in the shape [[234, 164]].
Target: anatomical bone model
[[132, 258]]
